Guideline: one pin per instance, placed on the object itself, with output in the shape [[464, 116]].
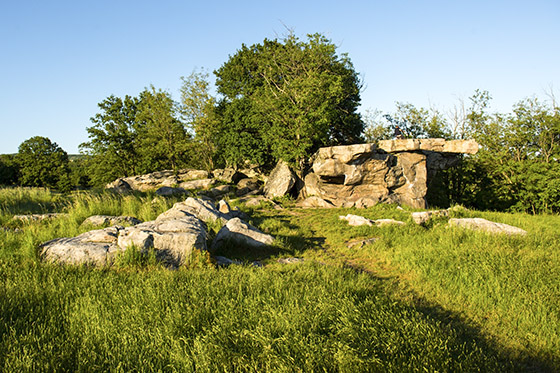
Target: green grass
[[417, 299]]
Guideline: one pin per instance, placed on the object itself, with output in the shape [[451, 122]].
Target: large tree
[[112, 143], [135, 135], [43, 163], [288, 97], [161, 137]]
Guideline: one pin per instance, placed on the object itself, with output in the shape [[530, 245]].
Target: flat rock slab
[[96, 247], [100, 220], [484, 225], [356, 220]]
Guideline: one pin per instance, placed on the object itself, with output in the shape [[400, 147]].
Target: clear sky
[[59, 59]]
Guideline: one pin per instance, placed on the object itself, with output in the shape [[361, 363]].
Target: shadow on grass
[[462, 331]]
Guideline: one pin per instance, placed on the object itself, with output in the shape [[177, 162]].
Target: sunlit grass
[[418, 298]]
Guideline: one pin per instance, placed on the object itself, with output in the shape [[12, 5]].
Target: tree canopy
[[43, 163], [287, 98]]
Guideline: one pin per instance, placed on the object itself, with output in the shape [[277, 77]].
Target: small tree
[[43, 163]]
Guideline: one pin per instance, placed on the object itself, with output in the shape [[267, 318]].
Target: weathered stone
[[96, 247], [247, 185], [360, 243], [280, 181], [172, 239], [314, 202], [220, 190], [39, 217], [197, 184], [423, 217], [202, 209], [240, 233], [75, 251], [384, 222], [480, 224], [223, 207], [434, 145], [167, 191], [228, 175], [356, 220], [290, 260], [100, 220], [394, 171], [119, 186]]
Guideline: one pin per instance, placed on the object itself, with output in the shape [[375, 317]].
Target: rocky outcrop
[[173, 236], [395, 171], [155, 180]]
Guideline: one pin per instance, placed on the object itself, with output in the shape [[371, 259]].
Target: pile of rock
[[173, 236]]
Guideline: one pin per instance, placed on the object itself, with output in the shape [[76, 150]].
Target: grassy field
[[417, 299]]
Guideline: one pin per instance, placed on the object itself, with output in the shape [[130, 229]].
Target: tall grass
[[306, 317], [508, 286], [418, 298]]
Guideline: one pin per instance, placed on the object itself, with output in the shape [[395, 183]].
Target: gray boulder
[[355, 220], [197, 184], [240, 233], [167, 191], [247, 185], [94, 248], [280, 181]]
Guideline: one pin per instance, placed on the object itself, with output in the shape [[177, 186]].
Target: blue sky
[[60, 58]]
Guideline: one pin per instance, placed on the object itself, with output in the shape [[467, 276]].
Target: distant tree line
[[283, 99]]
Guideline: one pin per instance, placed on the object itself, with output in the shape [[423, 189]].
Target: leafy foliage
[[292, 96], [43, 163]]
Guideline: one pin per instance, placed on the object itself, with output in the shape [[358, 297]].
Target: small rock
[[38, 217], [356, 220], [247, 185], [222, 261], [384, 222], [360, 243], [223, 207], [290, 260]]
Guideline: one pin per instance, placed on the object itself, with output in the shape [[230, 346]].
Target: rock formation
[[173, 236], [392, 171]]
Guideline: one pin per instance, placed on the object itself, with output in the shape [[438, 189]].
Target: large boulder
[[240, 233], [280, 181], [96, 247], [173, 239]]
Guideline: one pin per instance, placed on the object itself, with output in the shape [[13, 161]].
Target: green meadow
[[416, 298]]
